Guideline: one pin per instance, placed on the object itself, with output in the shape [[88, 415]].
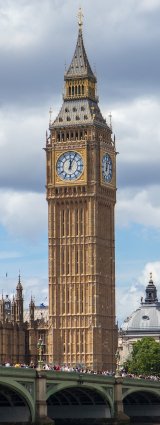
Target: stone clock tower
[[81, 195]]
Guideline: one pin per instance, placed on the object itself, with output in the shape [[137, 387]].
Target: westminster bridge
[[34, 396]]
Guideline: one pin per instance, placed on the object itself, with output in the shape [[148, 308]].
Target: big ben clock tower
[[81, 195]]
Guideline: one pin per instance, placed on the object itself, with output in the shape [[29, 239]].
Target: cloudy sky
[[122, 38]]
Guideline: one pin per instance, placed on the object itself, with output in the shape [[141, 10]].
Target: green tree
[[145, 357]]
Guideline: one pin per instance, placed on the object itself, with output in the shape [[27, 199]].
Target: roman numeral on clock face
[[70, 166], [107, 168]]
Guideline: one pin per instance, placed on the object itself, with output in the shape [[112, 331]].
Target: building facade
[[81, 195], [21, 329], [145, 321]]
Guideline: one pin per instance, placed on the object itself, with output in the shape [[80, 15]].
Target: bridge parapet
[[76, 376]]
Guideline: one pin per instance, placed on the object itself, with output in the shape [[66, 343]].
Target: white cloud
[[9, 255], [38, 288], [153, 268], [142, 207], [21, 22], [23, 214], [129, 297], [35, 286], [25, 23], [128, 300], [22, 159], [148, 6], [137, 126], [28, 24], [27, 125]]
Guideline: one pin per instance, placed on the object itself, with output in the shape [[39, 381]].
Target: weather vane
[[80, 18]]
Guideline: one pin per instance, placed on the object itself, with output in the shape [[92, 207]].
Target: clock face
[[70, 166], [107, 168]]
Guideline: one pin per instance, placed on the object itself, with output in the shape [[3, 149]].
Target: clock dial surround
[[70, 166], [107, 169]]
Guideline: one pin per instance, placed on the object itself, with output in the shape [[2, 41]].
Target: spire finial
[[50, 115], [151, 275], [110, 116], [80, 23]]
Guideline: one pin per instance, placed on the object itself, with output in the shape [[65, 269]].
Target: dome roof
[[147, 316]]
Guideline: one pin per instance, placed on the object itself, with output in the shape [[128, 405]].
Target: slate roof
[[146, 318], [39, 313], [79, 113], [80, 65]]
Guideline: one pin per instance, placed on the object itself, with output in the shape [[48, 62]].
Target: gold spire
[[80, 23], [150, 275], [110, 116], [50, 113]]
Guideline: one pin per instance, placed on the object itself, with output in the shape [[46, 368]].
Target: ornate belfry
[[81, 195]]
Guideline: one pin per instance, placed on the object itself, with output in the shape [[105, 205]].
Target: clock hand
[[70, 163], [106, 166], [73, 158]]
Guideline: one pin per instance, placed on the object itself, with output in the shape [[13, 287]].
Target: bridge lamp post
[[117, 356], [40, 347]]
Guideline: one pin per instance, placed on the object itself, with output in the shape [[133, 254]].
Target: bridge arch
[[19, 390], [72, 399], [155, 391], [141, 402]]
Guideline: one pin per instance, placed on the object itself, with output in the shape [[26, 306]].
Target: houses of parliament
[[79, 326]]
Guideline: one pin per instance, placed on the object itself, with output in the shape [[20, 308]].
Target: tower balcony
[[81, 96]]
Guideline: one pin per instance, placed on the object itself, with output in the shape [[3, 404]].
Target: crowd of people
[[135, 375], [63, 368], [7, 364], [77, 369]]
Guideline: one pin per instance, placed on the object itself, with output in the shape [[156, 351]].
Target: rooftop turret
[[19, 288], [151, 292]]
